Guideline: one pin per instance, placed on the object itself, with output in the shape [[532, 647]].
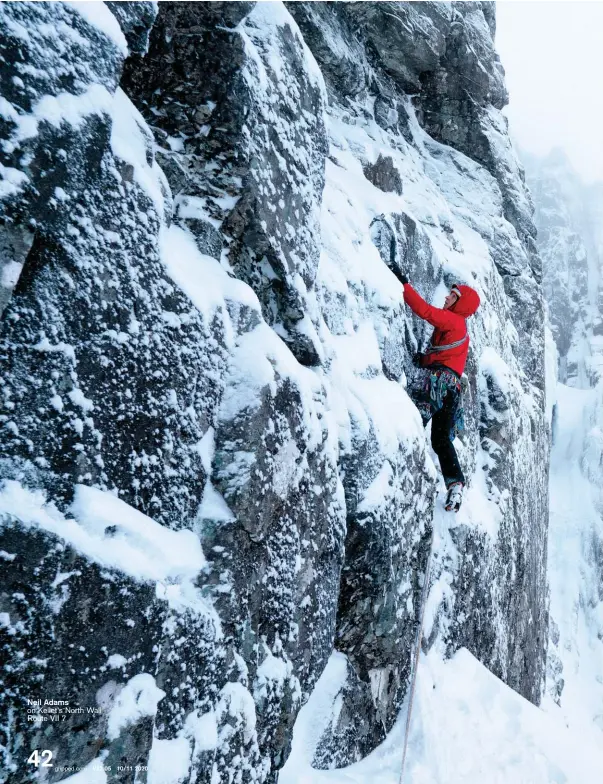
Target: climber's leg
[[441, 440]]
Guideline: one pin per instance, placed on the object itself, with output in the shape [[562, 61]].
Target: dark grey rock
[[408, 39], [386, 113], [384, 175], [271, 145], [48, 165], [489, 12], [87, 317], [63, 641], [135, 20], [331, 34], [15, 244], [354, 732]]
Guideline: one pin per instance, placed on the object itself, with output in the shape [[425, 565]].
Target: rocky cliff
[[213, 474]]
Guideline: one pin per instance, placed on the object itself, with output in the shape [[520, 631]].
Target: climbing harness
[[418, 358], [415, 662], [434, 349]]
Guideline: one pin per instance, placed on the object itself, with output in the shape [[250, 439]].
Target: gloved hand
[[400, 275]]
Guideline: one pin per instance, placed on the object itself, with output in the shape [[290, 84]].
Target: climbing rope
[[415, 662]]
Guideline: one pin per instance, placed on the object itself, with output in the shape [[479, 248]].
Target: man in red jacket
[[444, 361]]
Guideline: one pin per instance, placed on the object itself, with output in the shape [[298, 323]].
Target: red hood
[[467, 303]]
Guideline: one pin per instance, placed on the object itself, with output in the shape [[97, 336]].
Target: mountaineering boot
[[454, 497]]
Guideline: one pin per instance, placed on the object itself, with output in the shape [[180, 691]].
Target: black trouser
[[441, 441], [437, 401]]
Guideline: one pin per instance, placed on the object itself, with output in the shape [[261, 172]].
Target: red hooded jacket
[[450, 325]]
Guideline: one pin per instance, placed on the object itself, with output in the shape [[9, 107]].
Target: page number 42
[[42, 758]]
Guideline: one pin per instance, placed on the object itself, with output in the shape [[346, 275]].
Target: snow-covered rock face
[[570, 238], [205, 347]]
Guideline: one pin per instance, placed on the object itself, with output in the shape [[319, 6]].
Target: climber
[[439, 398]]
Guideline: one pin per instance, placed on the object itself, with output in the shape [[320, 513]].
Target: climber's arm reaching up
[[438, 317], [443, 319]]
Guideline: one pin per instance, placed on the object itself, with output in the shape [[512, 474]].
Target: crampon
[[454, 497]]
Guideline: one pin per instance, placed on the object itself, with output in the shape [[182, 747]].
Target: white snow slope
[[467, 727]]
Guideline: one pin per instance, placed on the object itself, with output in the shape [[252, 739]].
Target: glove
[[400, 275]]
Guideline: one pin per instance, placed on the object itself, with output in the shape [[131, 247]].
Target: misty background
[[553, 57]]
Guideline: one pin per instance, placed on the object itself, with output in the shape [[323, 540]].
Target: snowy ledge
[[109, 532]]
